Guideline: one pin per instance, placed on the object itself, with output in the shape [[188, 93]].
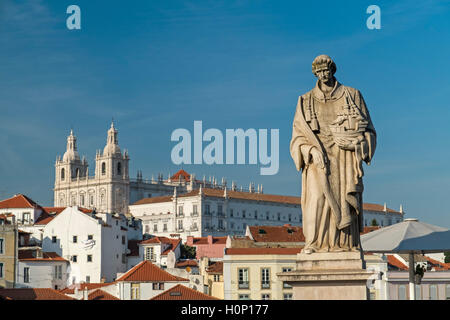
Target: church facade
[[110, 188]]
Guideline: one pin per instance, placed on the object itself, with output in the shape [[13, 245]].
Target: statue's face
[[324, 74]]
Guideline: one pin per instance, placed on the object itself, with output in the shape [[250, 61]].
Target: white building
[[110, 189], [37, 269], [221, 212], [95, 244]]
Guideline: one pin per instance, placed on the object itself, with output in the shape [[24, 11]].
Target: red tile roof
[[215, 268], [51, 212], [186, 263], [392, 260], [19, 201], [377, 208], [286, 233], [180, 292], [370, 229], [262, 251], [204, 240], [438, 266], [30, 255], [101, 295], [172, 243], [33, 294], [148, 272], [183, 174], [81, 286]]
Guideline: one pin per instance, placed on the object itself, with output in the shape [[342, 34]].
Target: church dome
[[71, 153], [112, 146]]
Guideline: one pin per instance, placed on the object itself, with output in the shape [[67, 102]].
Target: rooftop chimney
[[210, 239]]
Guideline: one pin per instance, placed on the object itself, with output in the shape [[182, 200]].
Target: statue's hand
[[317, 158]]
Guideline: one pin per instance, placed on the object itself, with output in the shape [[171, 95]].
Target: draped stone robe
[[331, 198]]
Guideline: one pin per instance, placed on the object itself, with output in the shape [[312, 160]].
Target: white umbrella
[[409, 236]]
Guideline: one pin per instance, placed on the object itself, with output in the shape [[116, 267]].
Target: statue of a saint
[[332, 135]]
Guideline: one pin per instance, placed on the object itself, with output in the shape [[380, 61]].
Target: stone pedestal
[[328, 276]]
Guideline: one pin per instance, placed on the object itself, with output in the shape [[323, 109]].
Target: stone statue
[[332, 135]]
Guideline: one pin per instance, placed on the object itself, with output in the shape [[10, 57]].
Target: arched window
[[62, 174], [103, 168], [119, 168]]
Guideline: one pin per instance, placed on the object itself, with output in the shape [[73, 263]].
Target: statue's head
[[324, 68]]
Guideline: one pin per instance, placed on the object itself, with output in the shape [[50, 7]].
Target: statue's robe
[[331, 198]]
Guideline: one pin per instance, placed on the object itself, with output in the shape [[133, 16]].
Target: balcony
[[194, 228], [244, 285], [194, 214], [265, 285]]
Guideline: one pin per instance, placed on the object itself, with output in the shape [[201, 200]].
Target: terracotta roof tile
[[51, 212], [101, 295], [377, 208], [81, 286], [186, 263], [215, 268], [148, 272], [180, 292], [439, 266], [262, 251], [183, 174], [286, 233], [370, 229], [393, 261], [204, 240], [33, 294], [30, 255], [172, 243], [19, 201]]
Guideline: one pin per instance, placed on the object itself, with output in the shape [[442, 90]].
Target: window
[[123, 240], [219, 209], [207, 209], [158, 286], [62, 174], [59, 272], [74, 239], [155, 228], [147, 229], [285, 285], [180, 224], [433, 292], [26, 217], [256, 214], [447, 292], [180, 211], [244, 297], [243, 278], [418, 292], [243, 213], [53, 239], [1, 246], [91, 200], [119, 168], [26, 274], [265, 278], [56, 275], [165, 227], [89, 258], [135, 291], [402, 292], [221, 224], [103, 168], [149, 254], [88, 279], [216, 277], [232, 225], [267, 215], [1, 270], [124, 258], [287, 296], [279, 216], [82, 199], [265, 296], [194, 209], [231, 213], [90, 237], [289, 217]]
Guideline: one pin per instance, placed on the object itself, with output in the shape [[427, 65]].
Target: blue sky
[[159, 65]]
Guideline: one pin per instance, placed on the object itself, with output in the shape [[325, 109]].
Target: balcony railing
[[265, 285], [194, 214], [244, 285]]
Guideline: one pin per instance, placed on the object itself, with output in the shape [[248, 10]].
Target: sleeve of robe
[[299, 147], [370, 134]]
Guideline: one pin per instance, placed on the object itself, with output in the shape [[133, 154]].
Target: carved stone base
[[328, 276]]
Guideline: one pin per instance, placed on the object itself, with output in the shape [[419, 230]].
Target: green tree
[[447, 257], [374, 223], [187, 252]]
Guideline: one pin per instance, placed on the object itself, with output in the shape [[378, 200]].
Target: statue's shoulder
[[352, 91], [306, 95]]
